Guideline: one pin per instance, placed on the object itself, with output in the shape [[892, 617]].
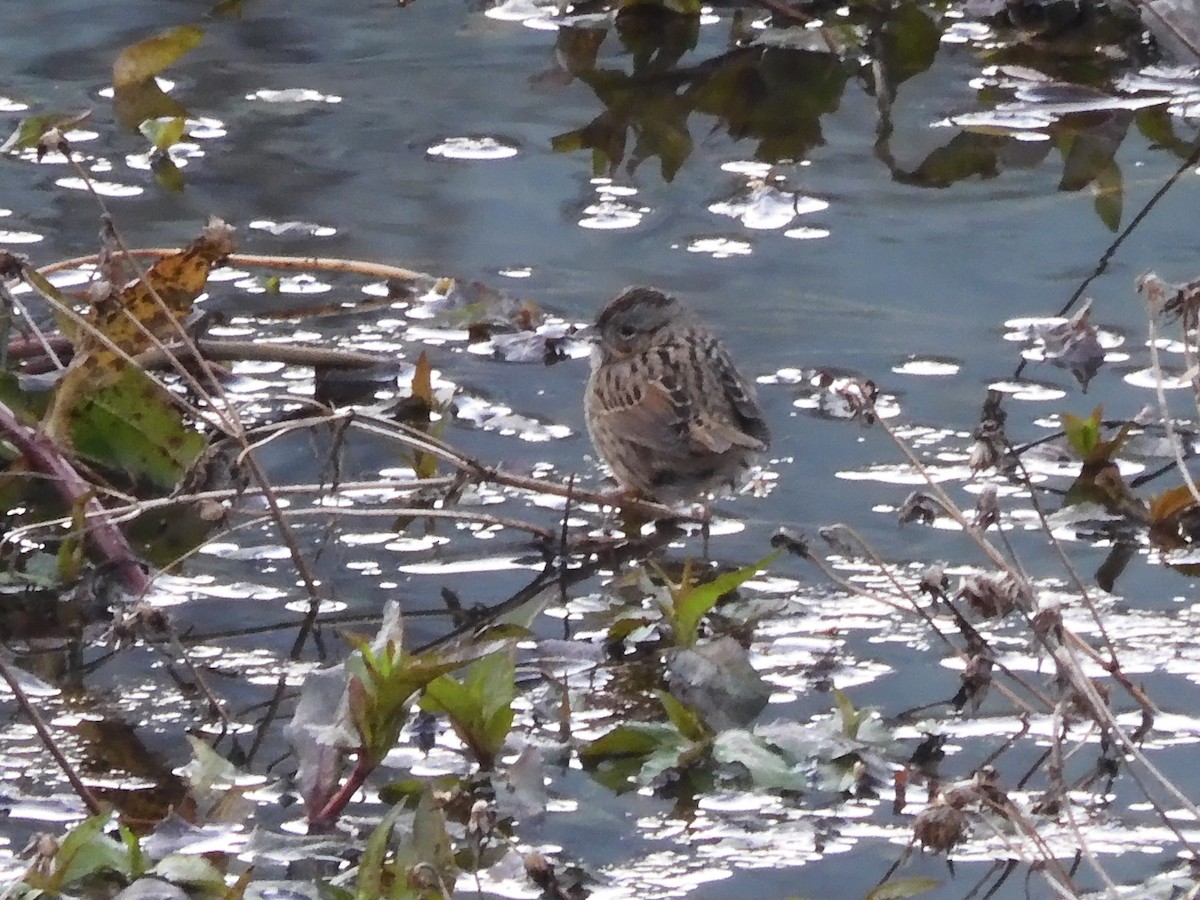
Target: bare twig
[[81, 789]]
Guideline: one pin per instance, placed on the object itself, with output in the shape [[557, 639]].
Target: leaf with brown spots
[[132, 427], [175, 280], [146, 312]]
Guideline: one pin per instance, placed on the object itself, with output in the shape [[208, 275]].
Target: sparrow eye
[[627, 331]]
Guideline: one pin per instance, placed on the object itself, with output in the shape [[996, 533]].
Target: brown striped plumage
[[665, 406]]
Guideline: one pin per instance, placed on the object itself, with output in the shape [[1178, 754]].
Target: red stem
[[333, 808], [107, 539]]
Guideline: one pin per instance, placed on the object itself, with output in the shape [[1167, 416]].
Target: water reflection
[[775, 97], [775, 86]]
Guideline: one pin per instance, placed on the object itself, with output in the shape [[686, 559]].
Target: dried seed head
[[1079, 703], [934, 582], [987, 508], [992, 596], [1047, 625], [985, 454], [52, 141], [539, 870], [976, 679], [918, 507], [791, 540], [939, 827], [992, 417], [831, 535], [12, 264], [987, 786], [480, 820]]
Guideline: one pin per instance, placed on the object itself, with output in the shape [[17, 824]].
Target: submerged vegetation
[[164, 438]]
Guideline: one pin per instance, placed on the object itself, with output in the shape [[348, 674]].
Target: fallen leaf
[[149, 309], [147, 58]]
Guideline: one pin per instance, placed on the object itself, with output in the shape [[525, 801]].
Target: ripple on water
[[766, 207], [479, 147], [298, 229], [806, 234], [928, 366], [1028, 390], [103, 188], [1151, 378], [20, 237], [610, 213], [292, 95], [537, 14], [719, 247]]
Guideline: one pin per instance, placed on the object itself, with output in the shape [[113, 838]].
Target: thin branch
[[43, 455], [84, 793]]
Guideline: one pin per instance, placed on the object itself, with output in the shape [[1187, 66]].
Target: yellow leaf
[[1170, 504], [424, 464], [422, 381], [176, 280], [150, 306], [147, 58]]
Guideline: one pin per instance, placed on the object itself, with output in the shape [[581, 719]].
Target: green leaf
[[1084, 437], [1109, 199], [383, 682], [430, 846], [407, 792], [678, 754], [623, 627], [131, 426], [851, 718], [1083, 434], [163, 133], [134, 103], [691, 602], [168, 175], [138, 862], [480, 706], [29, 406], [147, 58], [193, 871], [88, 851], [70, 551], [1158, 127], [229, 9], [638, 740], [30, 129], [769, 769], [40, 571], [911, 40], [371, 865], [424, 464], [684, 718]]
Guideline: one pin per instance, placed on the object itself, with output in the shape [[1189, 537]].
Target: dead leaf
[[147, 58], [149, 308], [1074, 345]]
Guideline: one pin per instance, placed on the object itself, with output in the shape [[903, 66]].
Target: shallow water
[[885, 272]]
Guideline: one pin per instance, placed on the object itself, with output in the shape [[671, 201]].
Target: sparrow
[[665, 406]]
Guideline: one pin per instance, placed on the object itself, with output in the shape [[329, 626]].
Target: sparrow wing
[[643, 412], [747, 415], [719, 436]]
